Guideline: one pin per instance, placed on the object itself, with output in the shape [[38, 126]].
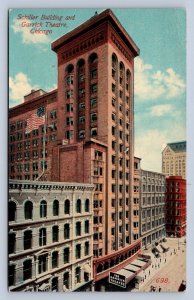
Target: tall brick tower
[[96, 128], [90, 133]]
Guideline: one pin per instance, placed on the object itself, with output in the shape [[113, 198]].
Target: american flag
[[36, 119]]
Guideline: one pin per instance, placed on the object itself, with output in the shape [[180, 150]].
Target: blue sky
[[160, 74]]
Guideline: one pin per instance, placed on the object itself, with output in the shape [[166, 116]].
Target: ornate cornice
[[22, 185], [85, 45]]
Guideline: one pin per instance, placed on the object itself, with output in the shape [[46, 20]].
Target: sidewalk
[[161, 265]]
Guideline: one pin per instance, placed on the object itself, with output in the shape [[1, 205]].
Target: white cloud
[[163, 109], [18, 87], [152, 85], [149, 145], [27, 36]]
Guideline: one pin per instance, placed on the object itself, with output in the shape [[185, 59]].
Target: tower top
[[92, 23]]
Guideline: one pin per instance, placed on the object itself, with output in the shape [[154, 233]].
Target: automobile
[[182, 286]]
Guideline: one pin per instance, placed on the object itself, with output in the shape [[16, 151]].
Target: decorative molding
[[22, 186], [85, 45], [120, 47]]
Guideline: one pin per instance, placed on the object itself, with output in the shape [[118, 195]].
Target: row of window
[[43, 234], [28, 208], [152, 225], [153, 212], [35, 166], [20, 124], [43, 261]]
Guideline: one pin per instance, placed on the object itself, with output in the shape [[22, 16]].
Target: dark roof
[[91, 24], [178, 146]]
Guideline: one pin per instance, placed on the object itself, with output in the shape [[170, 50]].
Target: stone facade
[[174, 159], [50, 236], [152, 207]]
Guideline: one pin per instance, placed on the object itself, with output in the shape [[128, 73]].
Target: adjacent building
[[175, 206], [152, 207], [50, 236], [174, 159], [88, 133]]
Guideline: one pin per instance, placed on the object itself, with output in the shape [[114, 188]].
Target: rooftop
[[93, 22], [178, 146]]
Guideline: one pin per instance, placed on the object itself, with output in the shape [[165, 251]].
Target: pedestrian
[[159, 289], [145, 276], [160, 259], [155, 266], [149, 272], [165, 260], [158, 266]]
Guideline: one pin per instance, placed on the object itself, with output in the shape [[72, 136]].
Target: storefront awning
[[132, 268], [138, 262]]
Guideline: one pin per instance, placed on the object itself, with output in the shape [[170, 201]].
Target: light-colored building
[[174, 159], [50, 236], [152, 207]]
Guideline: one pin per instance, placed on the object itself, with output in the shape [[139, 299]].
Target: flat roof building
[[50, 236], [89, 134], [174, 159]]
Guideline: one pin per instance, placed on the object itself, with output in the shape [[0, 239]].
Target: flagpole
[[44, 142]]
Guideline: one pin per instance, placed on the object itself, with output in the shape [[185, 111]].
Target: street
[[167, 272]]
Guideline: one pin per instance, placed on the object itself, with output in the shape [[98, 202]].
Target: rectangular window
[[69, 107], [93, 88], [81, 119], [93, 74], [93, 102], [93, 117], [69, 135], [69, 121]]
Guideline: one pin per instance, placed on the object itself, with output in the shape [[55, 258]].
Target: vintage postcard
[[97, 150]]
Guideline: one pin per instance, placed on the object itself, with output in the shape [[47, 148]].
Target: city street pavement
[[167, 272]]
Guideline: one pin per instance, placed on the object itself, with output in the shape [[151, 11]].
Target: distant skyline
[[160, 73]]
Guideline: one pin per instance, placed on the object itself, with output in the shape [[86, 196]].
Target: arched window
[[78, 206], [87, 205], [128, 79], [78, 274], [55, 233], [42, 263], [78, 251], [11, 242], [67, 207], [93, 58], [121, 75], [54, 284], [66, 231], [43, 209], [114, 61], [69, 69], [28, 210], [42, 236], [55, 208], [55, 255], [87, 248], [66, 255], [66, 279], [12, 211], [78, 228], [27, 239], [87, 226], [27, 269], [11, 275]]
